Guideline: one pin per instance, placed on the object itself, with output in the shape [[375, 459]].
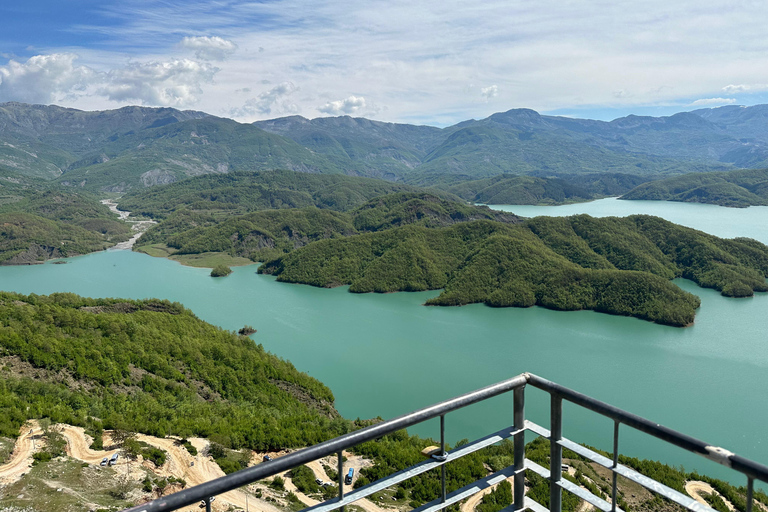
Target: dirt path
[[475, 499], [27, 443], [204, 469], [695, 488], [78, 445]]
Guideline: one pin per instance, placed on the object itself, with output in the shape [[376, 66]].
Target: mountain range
[[137, 147]]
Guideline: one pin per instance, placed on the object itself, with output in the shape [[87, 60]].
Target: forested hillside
[[238, 193], [267, 234], [742, 188], [151, 366], [613, 265]]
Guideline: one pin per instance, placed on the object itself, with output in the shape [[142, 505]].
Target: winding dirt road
[[194, 470], [694, 489], [27, 443]]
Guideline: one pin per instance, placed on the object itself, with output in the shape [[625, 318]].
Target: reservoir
[[385, 355]]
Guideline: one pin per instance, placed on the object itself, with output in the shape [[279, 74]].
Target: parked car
[[318, 481], [267, 458], [104, 461], [113, 459], [350, 475]]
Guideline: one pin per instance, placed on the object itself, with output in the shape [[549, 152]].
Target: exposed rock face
[[34, 255]]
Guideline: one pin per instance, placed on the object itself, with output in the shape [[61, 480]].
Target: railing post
[[340, 467], [519, 447], [750, 492], [442, 455], [615, 464], [555, 454]]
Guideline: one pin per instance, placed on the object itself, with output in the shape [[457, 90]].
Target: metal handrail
[[751, 469]]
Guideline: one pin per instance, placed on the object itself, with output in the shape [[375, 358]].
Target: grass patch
[[210, 260], [156, 250], [64, 485]]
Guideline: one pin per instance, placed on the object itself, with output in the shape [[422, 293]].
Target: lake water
[[385, 355]]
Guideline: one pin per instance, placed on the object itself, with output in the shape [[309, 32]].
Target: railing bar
[[537, 429], [410, 472], [519, 447], [750, 492], [719, 455], [587, 496], [442, 456], [468, 490], [555, 453], [648, 483], [318, 451], [615, 463], [340, 468], [534, 506]]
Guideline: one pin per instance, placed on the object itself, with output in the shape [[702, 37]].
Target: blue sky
[[432, 61]]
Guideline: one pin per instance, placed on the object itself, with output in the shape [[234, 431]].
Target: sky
[[435, 62]]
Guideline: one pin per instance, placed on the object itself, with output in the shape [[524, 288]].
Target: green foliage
[[278, 483], [189, 377], [613, 265], [26, 238], [188, 446], [304, 479], [269, 234], [134, 448], [244, 192], [497, 499], [511, 189], [740, 188], [220, 271]]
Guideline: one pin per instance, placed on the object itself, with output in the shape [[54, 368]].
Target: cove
[[385, 355]]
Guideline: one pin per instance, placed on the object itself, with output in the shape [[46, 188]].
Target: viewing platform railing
[[750, 469]]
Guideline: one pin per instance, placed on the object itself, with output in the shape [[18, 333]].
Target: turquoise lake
[[385, 355]]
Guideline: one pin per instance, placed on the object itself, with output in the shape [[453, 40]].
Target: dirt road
[[694, 489], [27, 443]]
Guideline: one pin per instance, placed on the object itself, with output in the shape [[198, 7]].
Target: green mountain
[[172, 152], [242, 192], [612, 265], [134, 147], [741, 188], [360, 146]]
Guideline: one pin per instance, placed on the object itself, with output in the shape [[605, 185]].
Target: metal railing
[[752, 470]]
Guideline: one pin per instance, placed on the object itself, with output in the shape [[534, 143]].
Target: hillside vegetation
[[612, 265], [268, 234], [41, 223], [742, 188], [151, 366], [238, 193]]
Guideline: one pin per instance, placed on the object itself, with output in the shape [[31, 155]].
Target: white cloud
[[44, 78], [346, 106], [209, 48], [174, 83], [490, 92], [741, 88], [714, 101], [271, 102]]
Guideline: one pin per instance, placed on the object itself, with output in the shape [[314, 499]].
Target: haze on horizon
[[431, 62]]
